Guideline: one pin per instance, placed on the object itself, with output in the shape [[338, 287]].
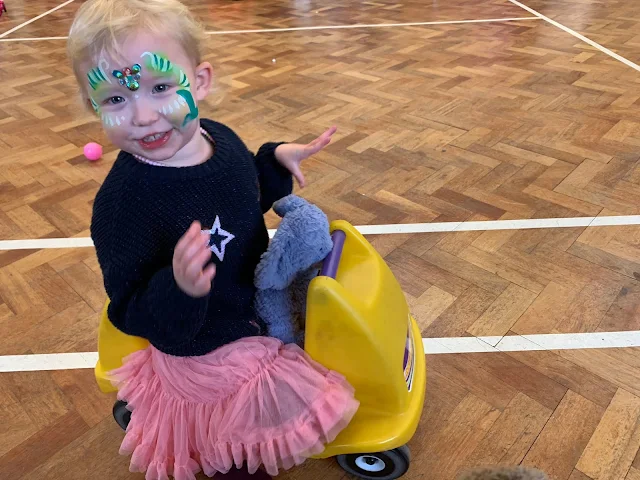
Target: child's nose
[[143, 113]]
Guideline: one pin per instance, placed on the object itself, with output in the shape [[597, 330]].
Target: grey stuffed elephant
[[287, 267]]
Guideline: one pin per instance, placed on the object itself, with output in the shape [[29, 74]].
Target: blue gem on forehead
[[129, 77]]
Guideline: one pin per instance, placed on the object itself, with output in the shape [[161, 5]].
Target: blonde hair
[[100, 25]]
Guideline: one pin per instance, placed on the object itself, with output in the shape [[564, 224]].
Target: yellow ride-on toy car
[[358, 323]]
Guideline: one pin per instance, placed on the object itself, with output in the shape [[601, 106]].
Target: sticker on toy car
[[409, 357]]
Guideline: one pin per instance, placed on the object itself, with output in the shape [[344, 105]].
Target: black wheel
[[387, 465], [121, 414]]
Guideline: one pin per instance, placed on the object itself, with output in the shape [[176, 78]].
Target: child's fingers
[[210, 271], [297, 174], [207, 276], [186, 240], [199, 244], [314, 145], [325, 138], [194, 229], [328, 135], [203, 283], [320, 142], [194, 267]]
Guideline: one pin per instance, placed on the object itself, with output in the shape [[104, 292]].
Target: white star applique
[[217, 230]]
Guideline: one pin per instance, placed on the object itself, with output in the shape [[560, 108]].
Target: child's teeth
[[152, 138]]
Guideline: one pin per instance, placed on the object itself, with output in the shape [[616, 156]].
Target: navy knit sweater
[[140, 213]]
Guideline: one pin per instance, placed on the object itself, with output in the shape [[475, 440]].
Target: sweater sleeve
[[275, 181], [145, 300]]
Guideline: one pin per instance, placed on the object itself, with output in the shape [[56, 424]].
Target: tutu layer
[[254, 402]]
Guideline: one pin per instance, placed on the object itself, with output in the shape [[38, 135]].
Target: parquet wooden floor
[[452, 122], [613, 23], [232, 15]]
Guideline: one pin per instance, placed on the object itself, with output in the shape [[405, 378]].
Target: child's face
[[148, 99]]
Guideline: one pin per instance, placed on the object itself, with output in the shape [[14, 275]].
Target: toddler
[[179, 230]]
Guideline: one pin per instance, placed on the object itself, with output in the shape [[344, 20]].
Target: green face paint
[[98, 80], [96, 107], [158, 63], [96, 77]]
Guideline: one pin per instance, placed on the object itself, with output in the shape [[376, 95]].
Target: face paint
[[95, 106], [176, 109], [158, 63], [111, 120], [97, 80], [129, 77], [97, 75]]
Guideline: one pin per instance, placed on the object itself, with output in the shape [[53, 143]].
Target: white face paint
[[175, 104], [110, 121]]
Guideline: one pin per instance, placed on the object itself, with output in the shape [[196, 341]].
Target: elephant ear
[[288, 204], [302, 239]]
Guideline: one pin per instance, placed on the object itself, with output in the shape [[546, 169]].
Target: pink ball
[[93, 151]]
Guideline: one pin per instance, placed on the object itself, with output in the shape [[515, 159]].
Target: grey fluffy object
[[287, 267], [504, 473]]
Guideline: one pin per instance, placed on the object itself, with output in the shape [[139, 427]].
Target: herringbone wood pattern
[[227, 15], [437, 123], [613, 23], [19, 12]]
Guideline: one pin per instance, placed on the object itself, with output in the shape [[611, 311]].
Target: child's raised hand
[[291, 155], [189, 259]]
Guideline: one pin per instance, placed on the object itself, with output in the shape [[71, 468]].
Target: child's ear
[[203, 80]]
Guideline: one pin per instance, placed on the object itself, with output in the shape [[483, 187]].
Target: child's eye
[[114, 100], [163, 87]]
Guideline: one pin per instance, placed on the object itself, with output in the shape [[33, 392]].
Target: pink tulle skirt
[[254, 402]]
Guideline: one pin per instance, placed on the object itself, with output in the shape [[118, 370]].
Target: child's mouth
[[157, 140]]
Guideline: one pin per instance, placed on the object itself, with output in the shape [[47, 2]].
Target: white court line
[[432, 346], [525, 224], [579, 36], [319, 27], [372, 25], [529, 343], [18, 27], [48, 361], [31, 39], [36, 244]]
